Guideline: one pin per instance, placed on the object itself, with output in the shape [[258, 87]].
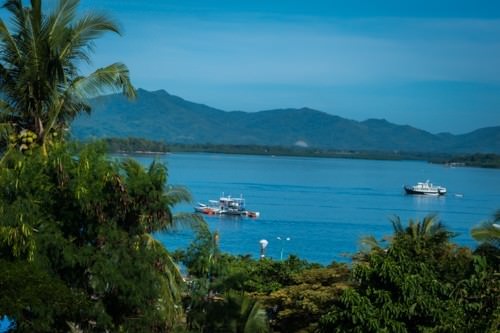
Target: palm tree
[[418, 234], [41, 88], [489, 231], [429, 230], [234, 312], [252, 317]]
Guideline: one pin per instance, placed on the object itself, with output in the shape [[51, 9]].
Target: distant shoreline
[[140, 152], [138, 146]]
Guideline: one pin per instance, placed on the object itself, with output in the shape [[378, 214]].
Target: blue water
[[325, 205]]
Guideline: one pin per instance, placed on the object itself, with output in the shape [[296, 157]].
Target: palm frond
[[39, 59], [397, 225], [36, 15], [88, 28], [171, 280], [54, 112], [177, 194], [5, 129], [256, 321], [486, 232], [189, 220], [413, 229], [158, 172], [5, 109], [428, 225], [9, 42], [369, 243], [61, 18], [111, 78]]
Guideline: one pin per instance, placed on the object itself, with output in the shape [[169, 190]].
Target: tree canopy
[[81, 226], [41, 85], [420, 283]]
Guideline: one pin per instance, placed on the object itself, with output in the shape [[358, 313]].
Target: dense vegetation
[[135, 145], [140, 145], [41, 88], [76, 244], [420, 282], [475, 160], [77, 251]]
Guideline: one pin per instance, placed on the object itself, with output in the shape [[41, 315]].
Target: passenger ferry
[[425, 188]]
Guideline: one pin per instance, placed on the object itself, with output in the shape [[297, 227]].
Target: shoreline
[[145, 147]]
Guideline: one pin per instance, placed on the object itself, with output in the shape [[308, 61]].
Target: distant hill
[[158, 115]]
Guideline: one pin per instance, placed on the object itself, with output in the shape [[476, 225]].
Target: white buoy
[[263, 244]]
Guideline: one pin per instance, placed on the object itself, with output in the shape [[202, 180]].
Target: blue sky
[[431, 64]]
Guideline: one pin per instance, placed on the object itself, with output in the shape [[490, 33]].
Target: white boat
[[232, 206], [226, 205], [425, 188], [213, 207]]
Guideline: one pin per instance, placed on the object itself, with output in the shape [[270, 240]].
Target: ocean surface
[[324, 205]]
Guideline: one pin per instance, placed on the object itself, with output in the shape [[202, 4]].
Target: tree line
[[135, 145], [141, 145]]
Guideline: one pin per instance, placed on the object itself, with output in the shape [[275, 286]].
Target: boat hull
[[432, 192]]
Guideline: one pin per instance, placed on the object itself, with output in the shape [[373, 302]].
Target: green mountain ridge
[[159, 115]]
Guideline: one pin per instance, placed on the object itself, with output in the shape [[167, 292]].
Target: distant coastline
[[140, 146], [160, 116]]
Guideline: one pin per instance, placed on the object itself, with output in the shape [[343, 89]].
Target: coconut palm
[[489, 231], [234, 312], [429, 230], [41, 87], [252, 317]]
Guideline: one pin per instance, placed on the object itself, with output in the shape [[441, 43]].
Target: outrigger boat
[[426, 188], [211, 208], [225, 206]]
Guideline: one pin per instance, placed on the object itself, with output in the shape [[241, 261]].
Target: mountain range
[[158, 115]]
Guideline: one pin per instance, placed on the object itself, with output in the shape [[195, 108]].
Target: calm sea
[[323, 205]]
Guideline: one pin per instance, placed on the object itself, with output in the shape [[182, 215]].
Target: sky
[[431, 64]]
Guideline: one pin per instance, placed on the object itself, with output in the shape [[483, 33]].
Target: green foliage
[[135, 145], [420, 283], [75, 229], [298, 306], [37, 299], [235, 312], [214, 303], [203, 257], [476, 160], [41, 88], [488, 231], [263, 276], [294, 292], [488, 235]]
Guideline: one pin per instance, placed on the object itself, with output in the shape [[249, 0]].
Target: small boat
[[211, 208], [426, 188], [232, 206], [226, 205], [253, 214]]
